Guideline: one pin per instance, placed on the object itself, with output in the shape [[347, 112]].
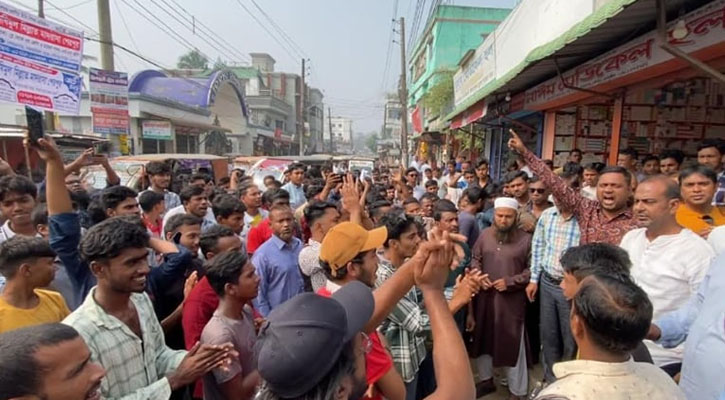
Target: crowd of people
[[397, 284]]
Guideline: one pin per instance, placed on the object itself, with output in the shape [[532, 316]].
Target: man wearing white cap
[[499, 336]]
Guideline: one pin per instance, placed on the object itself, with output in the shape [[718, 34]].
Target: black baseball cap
[[302, 338]]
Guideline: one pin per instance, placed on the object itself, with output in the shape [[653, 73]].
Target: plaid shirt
[[405, 328], [553, 235], [135, 368], [719, 199], [594, 225]]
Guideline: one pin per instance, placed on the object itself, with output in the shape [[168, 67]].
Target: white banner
[[39, 86], [25, 35], [476, 72]]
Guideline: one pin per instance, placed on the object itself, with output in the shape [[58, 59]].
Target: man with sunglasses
[[556, 231], [411, 179], [539, 197]]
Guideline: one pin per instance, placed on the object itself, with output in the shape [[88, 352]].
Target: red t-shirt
[[258, 235], [198, 309], [378, 361]]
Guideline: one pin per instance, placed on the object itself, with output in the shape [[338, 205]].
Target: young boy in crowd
[[229, 211], [234, 280], [27, 264], [597, 259]]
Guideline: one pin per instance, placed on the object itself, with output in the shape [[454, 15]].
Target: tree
[[440, 96], [193, 60], [372, 143], [219, 64]]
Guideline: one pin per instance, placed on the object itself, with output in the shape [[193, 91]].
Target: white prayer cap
[[506, 202]]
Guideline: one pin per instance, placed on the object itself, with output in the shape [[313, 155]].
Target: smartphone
[[102, 147], [176, 238], [34, 120]]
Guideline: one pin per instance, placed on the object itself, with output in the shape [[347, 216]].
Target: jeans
[[556, 338]]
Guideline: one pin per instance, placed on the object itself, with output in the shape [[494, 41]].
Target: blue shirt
[[65, 235], [296, 195], [700, 323], [279, 273]]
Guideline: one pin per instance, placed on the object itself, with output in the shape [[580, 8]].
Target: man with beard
[[357, 262], [159, 174], [118, 324], [668, 262], [233, 278], [50, 362], [277, 262], [499, 337], [556, 231], [606, 220]]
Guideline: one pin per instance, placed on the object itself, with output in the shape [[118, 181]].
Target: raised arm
[[454, 378], [570, 198], [58, 199]]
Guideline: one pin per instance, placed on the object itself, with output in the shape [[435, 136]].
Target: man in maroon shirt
[[602, 221]]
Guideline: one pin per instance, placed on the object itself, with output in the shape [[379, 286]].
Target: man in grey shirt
[[470, 204], [235, 281]]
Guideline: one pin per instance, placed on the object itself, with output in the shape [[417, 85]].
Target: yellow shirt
[[50, 308], [693, 221]]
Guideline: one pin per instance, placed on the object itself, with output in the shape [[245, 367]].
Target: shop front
[[640, 95]]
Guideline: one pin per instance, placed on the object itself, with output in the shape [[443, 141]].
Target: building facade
[[339, 131], [450, 32]]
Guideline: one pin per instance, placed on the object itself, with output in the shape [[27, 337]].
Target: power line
[[294, 58], [284, 34], [218, 37], [123, 20], [212, 45], [177, 37], [388, 52], [74, 5]]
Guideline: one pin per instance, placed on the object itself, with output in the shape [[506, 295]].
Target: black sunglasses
[[535, 190]]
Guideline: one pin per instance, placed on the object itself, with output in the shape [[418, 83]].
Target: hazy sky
[[346, 41]]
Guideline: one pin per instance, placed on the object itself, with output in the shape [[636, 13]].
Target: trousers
[[556, 338]]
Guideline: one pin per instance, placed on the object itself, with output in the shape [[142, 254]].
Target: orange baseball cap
[[346, 240]]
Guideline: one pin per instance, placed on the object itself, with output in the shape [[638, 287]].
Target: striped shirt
[[552, 236], [406, 327], [136, 368]]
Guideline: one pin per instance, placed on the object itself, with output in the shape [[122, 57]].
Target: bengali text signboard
[[705, 27], [109, 101], [159, 130], [40, 62]]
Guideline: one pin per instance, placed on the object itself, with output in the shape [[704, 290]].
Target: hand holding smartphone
[[34, 120]]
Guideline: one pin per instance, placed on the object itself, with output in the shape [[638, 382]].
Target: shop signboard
[[705, 27], [159, 130], [477, 72], [109, 101], [27, 36]]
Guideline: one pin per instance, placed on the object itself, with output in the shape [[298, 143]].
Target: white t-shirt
[[716, 238], [669, 269]]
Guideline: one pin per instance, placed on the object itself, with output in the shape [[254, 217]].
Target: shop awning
[[475, 113], [614, 23]]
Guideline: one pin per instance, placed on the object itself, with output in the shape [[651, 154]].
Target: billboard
[[109, 101]]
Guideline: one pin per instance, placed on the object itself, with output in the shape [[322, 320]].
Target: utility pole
[[302, 111], [329, 122], [106, 39], [403, 94], [49, 115]]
